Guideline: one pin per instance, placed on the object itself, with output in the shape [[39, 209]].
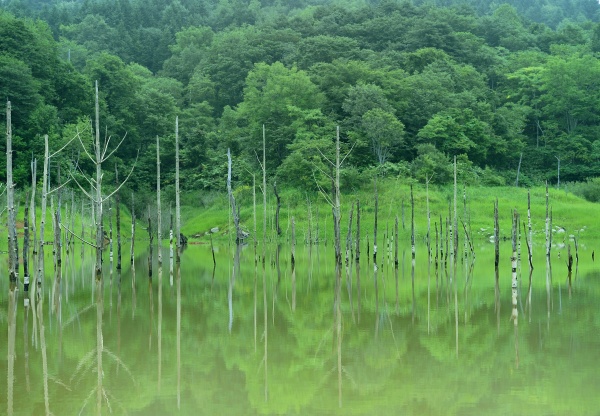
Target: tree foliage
[[482, 80]]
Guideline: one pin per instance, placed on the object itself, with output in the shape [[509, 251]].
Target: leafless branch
[[259, 162], [114, 150], [62, 148], [325, 157], [347, 154], [322, 172], [76, 236], [84, 149], [59, 187], [322, 192], [81, 187], [125, 181]]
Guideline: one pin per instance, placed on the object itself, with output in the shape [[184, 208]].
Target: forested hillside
[[411, 84]]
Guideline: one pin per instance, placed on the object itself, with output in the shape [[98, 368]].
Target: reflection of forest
[[401, 370]]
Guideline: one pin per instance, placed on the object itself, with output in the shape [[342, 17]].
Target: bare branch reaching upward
[[103, 159], [125, 181]]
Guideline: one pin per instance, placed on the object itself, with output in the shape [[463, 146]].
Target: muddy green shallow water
[[200, 345]]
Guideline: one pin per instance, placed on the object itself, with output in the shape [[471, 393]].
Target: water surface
[[398, 355]]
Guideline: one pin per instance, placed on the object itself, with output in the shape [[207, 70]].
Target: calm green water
[[397, 358]]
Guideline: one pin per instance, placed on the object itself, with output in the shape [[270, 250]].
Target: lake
[[199, 346]]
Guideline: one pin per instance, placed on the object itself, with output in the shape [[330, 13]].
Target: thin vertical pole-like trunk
[[428, 257], [111, 257], [32, 221], [178, 325], [293, 264], [118, 209], [171, 246], [412, 252], [569, 267], [349, 262], [98, 266], [158, 205], [40, 277], [497, 262], [396, 243], [338, 264], [264, 271], [375, 259], [515, 311], [159, 254], [277, 209], [548, 248], [232, 203], [98, 197], [454, 254], [177, 202], [437, 298], [12, 265], [150, 290], [26, 299], [357, 258], [132, 246], [57, 269], [255, 237]]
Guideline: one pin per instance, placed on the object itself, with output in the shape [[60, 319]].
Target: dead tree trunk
[[412, 252], [357, 258], [277, 209], [264, 255], [349, 262], [375, 260], [293, 264], [177, 202], [132, 246], [158, 207], [118, 208], [396, 243], [239, 236], [12, 263]]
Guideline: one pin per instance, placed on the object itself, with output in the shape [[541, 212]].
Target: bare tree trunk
[[132, 247], [34, 335], [338, 264], [158, 207], [39, 280], [57, 269], [454, 242], [118, 207], [293, 263], [375, 260], [428, 257], [412, 251], [264, 272], [357, 258], [26, 293], [515, 312], [171, 246], [255, 237], [349, 262], [12, 264], [239, 237], [278, 208], [497, 303], [396, 243], [177, 191]]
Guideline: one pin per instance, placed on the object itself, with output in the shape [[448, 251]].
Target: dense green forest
[[410, 83]]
